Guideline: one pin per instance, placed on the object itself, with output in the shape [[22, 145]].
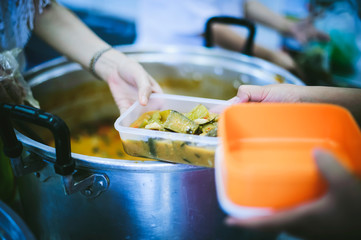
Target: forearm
[[349, 98], [67, 34], [127, 79], [227, 38], [257, 12]]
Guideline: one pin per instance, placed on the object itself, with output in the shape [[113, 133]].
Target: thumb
[[334, 173], [234, 100]]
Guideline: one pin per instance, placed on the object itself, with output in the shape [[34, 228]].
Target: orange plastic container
[[266, 160]]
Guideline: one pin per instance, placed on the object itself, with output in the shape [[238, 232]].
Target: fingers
[[155, 86], [143, 83], [300, 217], [123, 102], [127, 74], [125, 93], [146, 85], [304, 31], [321, 36], [235, 100], [297, 217], [147, 89], [338, 177], [334, 216], [250, 93]]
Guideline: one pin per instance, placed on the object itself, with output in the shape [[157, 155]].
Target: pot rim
[[85, 161], [134, 49]]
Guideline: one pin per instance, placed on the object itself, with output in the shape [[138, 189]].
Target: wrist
[[314, 94], [107, 63], [94, 59]]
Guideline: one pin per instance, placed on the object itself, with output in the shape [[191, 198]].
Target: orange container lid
[[266, 160]]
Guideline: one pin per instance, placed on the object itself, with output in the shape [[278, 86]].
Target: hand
[[269, 93], [337, 215], [304, 31], [127, 79]]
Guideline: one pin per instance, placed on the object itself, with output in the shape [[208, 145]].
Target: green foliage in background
[[343, 52]]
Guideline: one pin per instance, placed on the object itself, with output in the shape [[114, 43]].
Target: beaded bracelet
[[95, 58]]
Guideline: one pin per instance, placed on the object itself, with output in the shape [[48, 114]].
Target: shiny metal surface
[[144, 200], [200, 63], [12, 227]]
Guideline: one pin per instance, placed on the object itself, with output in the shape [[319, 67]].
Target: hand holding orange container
[[264, 162]]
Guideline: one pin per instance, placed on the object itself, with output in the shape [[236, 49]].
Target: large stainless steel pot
[[121, 199], [12, 226]]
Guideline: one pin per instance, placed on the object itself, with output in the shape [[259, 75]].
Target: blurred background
[[335, 63]]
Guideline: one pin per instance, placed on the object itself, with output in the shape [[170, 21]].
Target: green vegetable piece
[[179, 123], [152, 148], [210, 129], [213, 132], [155, 122], [144, 123], [156, 117], [199, 111], [164, 115]]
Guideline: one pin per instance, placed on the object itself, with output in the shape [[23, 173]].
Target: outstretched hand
[[305, 31], [127, 79], [269, 93], [335, 216]]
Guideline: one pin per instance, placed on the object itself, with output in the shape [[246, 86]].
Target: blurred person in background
[[164, 22], [338, 61], [61, 29]]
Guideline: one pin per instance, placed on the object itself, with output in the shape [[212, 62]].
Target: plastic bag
[[13, 88]]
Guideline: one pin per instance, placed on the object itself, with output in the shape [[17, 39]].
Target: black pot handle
[[64, 164], [248, 48]]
